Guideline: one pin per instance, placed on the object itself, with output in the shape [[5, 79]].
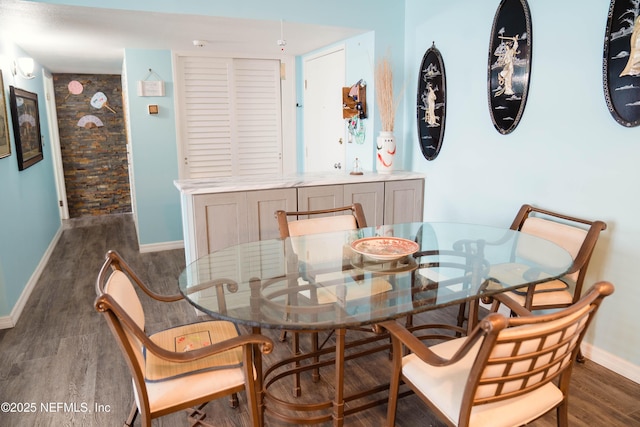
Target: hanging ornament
[[356, 129], [282, 42]]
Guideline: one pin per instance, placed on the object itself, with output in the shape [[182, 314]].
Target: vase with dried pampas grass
[[386, 143]]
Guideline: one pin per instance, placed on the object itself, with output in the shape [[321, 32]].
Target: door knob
[[337, 166]]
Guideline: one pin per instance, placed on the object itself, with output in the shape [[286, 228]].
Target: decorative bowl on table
[[384, 248]]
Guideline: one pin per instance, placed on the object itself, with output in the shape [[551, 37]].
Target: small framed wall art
[[509, 65], [621, 62], [26, 127], [431, 103], [5, 141]]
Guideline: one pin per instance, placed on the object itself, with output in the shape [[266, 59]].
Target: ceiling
[[87, 40]]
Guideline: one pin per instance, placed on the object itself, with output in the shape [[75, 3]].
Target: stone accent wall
[[93, 143]]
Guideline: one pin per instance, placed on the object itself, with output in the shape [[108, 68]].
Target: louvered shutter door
[[232, 117]]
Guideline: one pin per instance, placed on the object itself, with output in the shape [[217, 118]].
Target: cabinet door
[[261, 208], [321, 197], [221, 221], [371, 196], [403, 201]]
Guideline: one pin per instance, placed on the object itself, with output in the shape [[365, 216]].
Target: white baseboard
[[165, 246], [611, 362], [6, 322], [11, 320]]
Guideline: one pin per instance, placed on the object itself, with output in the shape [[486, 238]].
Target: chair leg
[[132, 415], [562, 414], [394, 385], [580, 357], [295, 343], [315, 373], [461, 316], [233, 400], [409, 321], [283, 336]]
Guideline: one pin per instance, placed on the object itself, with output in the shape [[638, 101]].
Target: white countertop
[[225, 185]]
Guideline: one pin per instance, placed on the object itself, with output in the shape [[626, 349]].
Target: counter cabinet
[[217, 220]]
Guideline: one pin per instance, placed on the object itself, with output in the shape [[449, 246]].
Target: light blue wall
[[567, 153], [29, 215], [153, 148]]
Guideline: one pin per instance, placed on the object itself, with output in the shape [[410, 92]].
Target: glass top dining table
[[366, 276]]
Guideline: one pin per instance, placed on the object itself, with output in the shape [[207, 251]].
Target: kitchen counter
[[227, 185]]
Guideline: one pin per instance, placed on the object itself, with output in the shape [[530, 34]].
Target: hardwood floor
[[60, 366]]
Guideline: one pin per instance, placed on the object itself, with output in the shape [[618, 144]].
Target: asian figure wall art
[[509, 65], [431, 103], [621, 62]]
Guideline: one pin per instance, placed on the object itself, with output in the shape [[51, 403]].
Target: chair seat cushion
[[192, 337], [349, 290], [188, 388], [444, 387], [546, 293], [544, 298]]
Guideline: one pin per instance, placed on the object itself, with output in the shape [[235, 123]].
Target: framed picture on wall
[[5, 141], [26, 127], [621, 62], [431, 103], [509, 64]]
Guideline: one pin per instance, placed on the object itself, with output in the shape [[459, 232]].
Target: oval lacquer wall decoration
[[431, 103], [621, 62], [509, 66]]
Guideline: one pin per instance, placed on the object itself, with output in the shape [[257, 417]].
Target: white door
[[324, 128]]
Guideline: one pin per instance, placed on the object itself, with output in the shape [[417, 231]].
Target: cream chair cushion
[[169, 393], [322, 225], [566, 236], [550, 292], [192, 337], [351, 291], [122, 291]]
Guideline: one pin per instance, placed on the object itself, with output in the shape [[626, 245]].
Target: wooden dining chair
[[506, 372], [299, 223], [576, 235], [180, 367]]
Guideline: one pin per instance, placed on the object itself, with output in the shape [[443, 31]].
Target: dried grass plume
[[384, 94]]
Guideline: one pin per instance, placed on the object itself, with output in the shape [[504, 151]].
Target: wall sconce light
[[23, 66]]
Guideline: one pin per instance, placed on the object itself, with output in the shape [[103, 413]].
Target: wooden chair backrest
[[118, 301], [576, 235], [521, 354], [321, 221]]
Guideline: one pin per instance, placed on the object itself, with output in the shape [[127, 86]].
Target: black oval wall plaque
[[431, 103], [509, 64], [621, 62]]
